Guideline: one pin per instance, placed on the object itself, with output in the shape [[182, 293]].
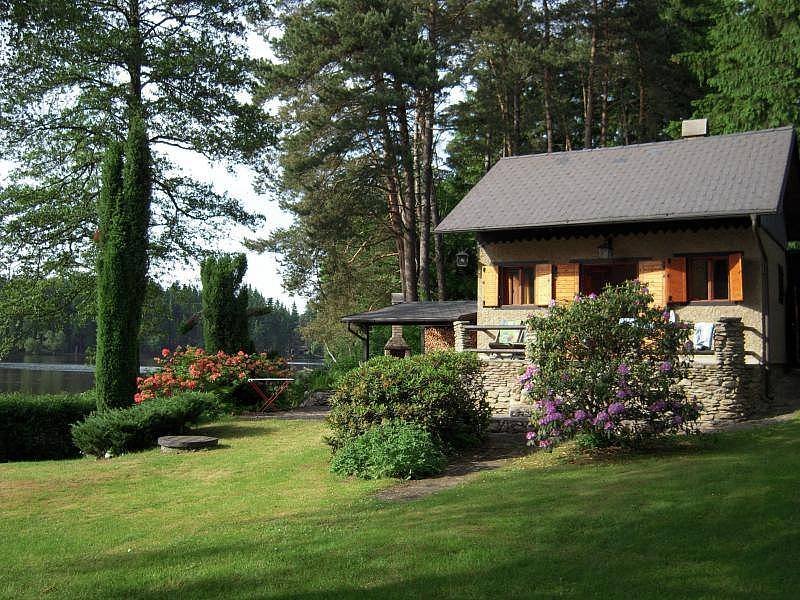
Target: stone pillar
[[733, 379], [461, 335]]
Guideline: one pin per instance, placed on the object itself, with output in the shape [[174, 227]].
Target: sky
[[262, 269], [262, 272]]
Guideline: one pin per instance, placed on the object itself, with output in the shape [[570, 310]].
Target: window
[[518, 285], [594, 277], [708, 278]]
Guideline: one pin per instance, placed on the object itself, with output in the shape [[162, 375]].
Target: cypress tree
[[225, 300], [124, 214]]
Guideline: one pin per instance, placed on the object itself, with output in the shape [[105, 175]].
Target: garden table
[[274, 387]]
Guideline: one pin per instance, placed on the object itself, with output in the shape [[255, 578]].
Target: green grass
[[715, 518]]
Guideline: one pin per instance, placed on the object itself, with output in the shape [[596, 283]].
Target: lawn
[[262, 517]]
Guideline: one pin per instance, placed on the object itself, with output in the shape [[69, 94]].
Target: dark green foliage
[[225, 300], [124, 211], [748, 55], [138, 427], [441, 391], [38, 427], [392, 449]]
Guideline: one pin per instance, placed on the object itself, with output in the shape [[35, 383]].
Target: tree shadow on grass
[[232, 430], [720, 524]]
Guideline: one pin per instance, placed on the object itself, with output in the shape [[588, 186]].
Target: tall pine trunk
[[124, 215], [588, 100], [547, 91]]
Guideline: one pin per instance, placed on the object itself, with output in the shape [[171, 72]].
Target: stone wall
[[729, 389], [439, 338], [501, 383]]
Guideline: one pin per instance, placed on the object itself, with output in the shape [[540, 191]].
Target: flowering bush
[[607, 365], [193, 370]]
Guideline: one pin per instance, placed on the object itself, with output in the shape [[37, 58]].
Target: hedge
[[34, 427], [138, 427]]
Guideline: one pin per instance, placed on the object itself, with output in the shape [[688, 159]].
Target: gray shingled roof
[[418, 313], [718, 176]]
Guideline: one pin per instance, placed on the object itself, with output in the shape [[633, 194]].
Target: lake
[[46, 374], [57, 374]]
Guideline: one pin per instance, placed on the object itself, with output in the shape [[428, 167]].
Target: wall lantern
[[462, 260], [605, 249]]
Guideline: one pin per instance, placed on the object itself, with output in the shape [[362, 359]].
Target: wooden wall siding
[[567, 282], [651, 273], [676, 280], [735, 284], [543, 284], [490, 285]]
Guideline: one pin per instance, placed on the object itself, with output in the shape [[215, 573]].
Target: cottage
[[706, 222]]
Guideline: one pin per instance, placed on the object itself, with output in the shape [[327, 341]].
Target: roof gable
[[717, 176]]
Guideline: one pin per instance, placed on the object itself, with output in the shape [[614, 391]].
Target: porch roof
[[418, 313], [699, 178]]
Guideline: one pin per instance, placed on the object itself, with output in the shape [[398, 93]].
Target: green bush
[[393, 449], [441, 391], [38, 427], [138, 427]]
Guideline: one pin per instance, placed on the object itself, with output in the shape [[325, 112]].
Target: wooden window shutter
[[676, 280], [543, 285], [567, 282], [490, 278], [735, 284], [651, 273]]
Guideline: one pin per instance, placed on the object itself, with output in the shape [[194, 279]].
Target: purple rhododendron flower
[[616, 408], [601, 417], [677, 420], [665, 367], [545, 443], [592, 296], [658, 406], [623, 369], [550, 417], [550, 407], [530, 371], [569, 422], [552, 303], [530, 435], [608, 425], [580, 415], [577, 298], [622, 393]]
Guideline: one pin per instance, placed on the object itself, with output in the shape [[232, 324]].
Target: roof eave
[[615, 221]]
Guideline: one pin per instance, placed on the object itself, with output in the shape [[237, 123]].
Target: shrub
[[38, 427], [607, 365], [138, 427], [440, 391], [392, 449], [191, 369]]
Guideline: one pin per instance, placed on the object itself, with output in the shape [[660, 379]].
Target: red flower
[[165, 352]]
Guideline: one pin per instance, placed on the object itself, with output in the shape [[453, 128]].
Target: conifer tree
[[124, 215], [225, 304]]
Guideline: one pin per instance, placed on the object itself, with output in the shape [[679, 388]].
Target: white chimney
[[694, 128]]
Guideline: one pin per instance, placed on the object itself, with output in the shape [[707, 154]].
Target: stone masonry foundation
[[729, 389]]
